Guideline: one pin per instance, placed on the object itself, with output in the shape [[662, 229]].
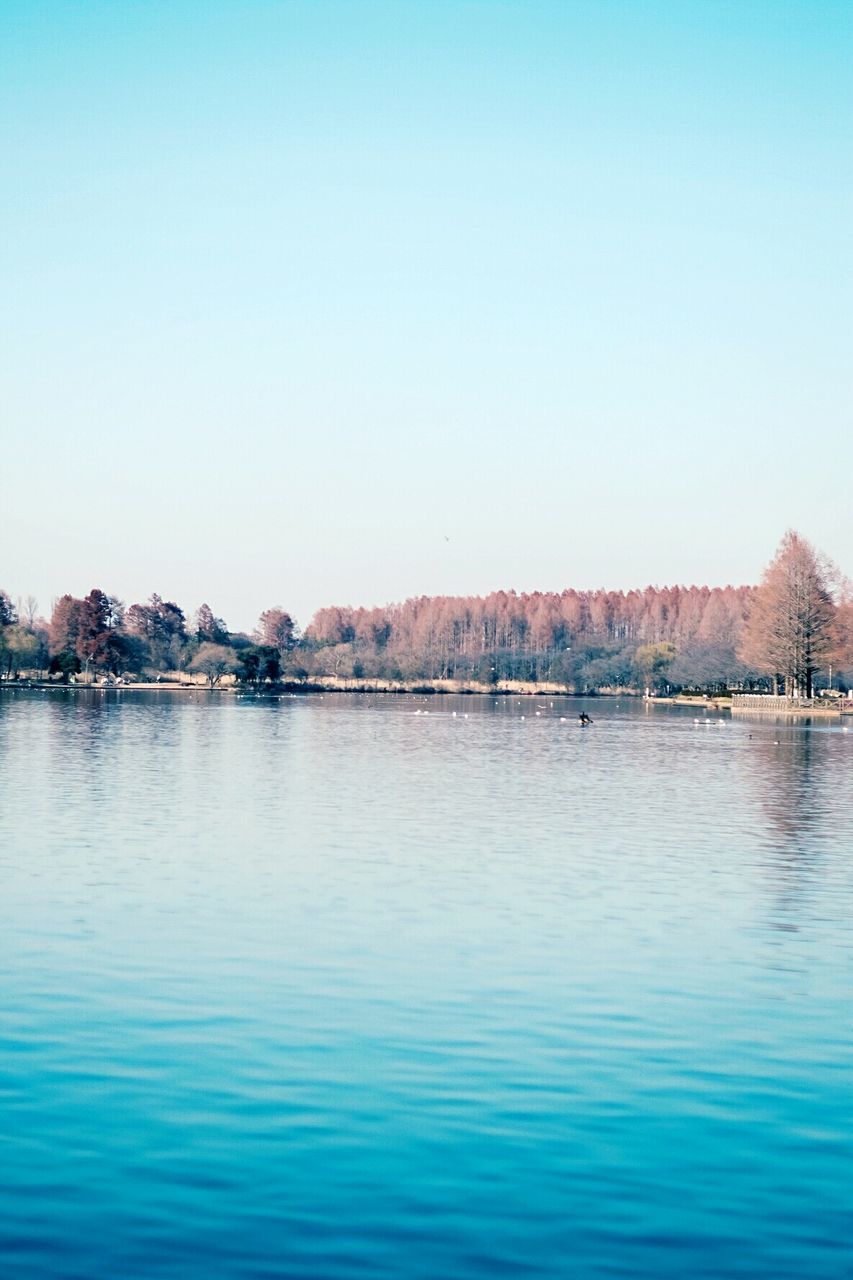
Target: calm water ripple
[[406, 987]]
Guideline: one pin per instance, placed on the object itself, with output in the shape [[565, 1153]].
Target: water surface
[[334, 987]]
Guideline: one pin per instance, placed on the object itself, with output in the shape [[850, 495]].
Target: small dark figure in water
[[583, 718]]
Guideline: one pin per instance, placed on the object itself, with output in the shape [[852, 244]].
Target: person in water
[[583, 718]]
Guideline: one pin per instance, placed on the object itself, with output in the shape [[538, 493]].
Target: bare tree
[[842, 655], [789, 631], [214, 661], [28, 611]]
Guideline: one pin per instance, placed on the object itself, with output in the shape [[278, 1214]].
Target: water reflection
[[789, 769]]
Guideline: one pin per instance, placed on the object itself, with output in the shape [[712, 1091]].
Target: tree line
[[97, 635], [782, 634]]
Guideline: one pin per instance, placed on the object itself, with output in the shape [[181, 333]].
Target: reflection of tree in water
[[796, 807]]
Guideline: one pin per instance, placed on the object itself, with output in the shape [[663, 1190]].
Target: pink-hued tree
[[276, 629], [87, 633], [789, 632]]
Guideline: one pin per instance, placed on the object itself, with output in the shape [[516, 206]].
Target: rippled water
[[324, 987]]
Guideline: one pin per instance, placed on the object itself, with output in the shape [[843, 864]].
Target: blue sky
[[324, 303]]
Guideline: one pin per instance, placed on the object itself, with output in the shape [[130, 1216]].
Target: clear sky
[[313, 303]]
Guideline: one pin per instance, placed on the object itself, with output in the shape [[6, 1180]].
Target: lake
[[422, 987]]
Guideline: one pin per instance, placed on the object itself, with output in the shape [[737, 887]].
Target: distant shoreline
[[431, 688]]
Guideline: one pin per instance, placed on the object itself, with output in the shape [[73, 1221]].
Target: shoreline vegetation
[[792, 635]]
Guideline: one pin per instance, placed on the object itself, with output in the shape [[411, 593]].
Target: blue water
[[327, 988]]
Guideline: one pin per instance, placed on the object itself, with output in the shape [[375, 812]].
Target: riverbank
[[722, 703], [332, 684], [185, 682], [767, 704]]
